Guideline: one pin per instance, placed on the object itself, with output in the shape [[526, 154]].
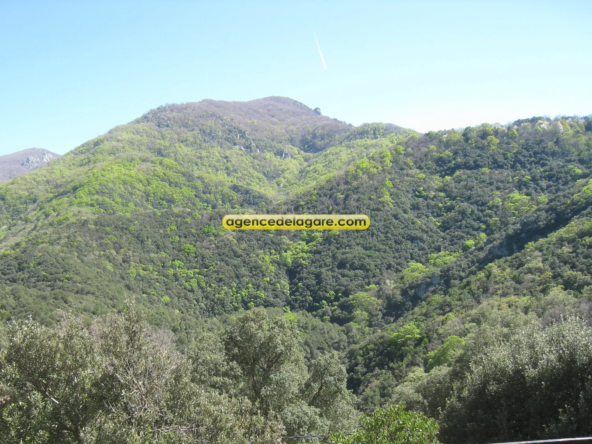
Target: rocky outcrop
[[15, 164]]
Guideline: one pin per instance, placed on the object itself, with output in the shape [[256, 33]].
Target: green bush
[[392, 425]]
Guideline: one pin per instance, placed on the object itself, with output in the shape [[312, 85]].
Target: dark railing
[[587, 439], [551, 441], [310, 436]]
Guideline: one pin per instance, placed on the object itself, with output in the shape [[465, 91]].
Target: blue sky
[[71, 70]]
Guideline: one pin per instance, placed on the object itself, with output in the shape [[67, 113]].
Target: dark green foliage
[[535, 384], [259, 356], [117, 381]]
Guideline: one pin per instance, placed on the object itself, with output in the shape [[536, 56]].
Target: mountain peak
[[15, 164], [284, 101], [268, 108], [270, 120]]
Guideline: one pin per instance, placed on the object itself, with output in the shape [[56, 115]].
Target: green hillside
[[480, 239]]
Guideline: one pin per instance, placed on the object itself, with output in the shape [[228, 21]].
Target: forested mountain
[[476, 264], [15, 164]]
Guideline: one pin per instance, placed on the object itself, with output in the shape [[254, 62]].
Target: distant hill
[[203, 155], [18, 163]]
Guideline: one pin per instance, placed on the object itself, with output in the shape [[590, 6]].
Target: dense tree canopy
[[479, 247], [115, 381]]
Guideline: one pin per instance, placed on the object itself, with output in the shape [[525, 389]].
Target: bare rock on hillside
[[18, 163]]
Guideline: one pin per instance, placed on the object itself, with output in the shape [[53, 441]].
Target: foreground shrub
[[392, 425], [118, 381], [536, 384]]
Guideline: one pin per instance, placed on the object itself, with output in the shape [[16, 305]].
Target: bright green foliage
[[518, 205], [365, 307], [408, 333], [575, 170], [469, 245], [482, 238], [446, 352], [442, 258], [414, 272], [189, 249], [492, 142], [392, 425], [296, 250]]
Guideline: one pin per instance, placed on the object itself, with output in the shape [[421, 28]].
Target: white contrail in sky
[[320, 52]]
